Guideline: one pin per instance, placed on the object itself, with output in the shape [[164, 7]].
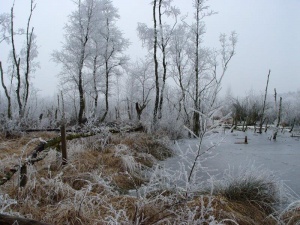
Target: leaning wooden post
[[23, 175], [63, 144]]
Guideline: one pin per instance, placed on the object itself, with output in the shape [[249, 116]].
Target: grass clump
[[251, 186]]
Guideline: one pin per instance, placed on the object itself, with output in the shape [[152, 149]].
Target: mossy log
[[9, 220]]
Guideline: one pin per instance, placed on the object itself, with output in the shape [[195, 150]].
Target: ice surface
[[281, 156]]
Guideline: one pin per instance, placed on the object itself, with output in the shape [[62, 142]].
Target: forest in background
[[176, 83]]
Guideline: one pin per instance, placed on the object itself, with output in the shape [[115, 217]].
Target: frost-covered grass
[[120, 182], [253, 185]]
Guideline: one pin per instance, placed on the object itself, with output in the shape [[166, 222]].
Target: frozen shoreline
[[282, 157]]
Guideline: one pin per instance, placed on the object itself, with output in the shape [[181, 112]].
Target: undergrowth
[[118, 180]]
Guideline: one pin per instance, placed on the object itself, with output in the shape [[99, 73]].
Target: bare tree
[[180, 66], [140, 75], [155, 64], [158, 38], [23, 64], [165, 33], [9, 115], [278, 119], [95, 64], [114, 46], [4, 21], [75, 49], [262, 119], [200, 63], [92, 51]]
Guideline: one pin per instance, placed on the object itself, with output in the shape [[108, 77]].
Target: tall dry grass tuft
[[251, 185]]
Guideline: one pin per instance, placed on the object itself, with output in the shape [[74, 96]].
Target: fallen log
[[126, 129], [112, 127], [42, 130], [9, 220]]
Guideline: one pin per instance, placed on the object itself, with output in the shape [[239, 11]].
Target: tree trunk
[[163, 49], [81, 99], [278, 119], [266, 128], [293, 124], [138, 111], [106, 92], [16, 64], [156, 67], [128, 110], [9, 115], [85, 35], [196, 115], [196, 123], [264, 106], [95, 85]]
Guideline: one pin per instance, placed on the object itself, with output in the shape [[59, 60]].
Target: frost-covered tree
[[197, 70], [92, 51], [114, 46], [157, 38], [180, 68], [22, 62], [209, 66], [141, 83], [75, 48], [199, 58]]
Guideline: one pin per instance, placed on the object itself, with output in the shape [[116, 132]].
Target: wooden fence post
[[63, 144], [23, 175]]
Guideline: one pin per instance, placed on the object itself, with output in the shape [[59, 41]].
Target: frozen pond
[[281, 156]]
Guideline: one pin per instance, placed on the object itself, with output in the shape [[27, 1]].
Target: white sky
[[268, 32]]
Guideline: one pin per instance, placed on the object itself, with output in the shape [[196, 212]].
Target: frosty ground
[[280, 157]]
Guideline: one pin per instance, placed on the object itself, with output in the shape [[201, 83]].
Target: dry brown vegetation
[[93, 187]]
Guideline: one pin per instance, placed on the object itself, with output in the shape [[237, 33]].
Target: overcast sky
[[268, 38]]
